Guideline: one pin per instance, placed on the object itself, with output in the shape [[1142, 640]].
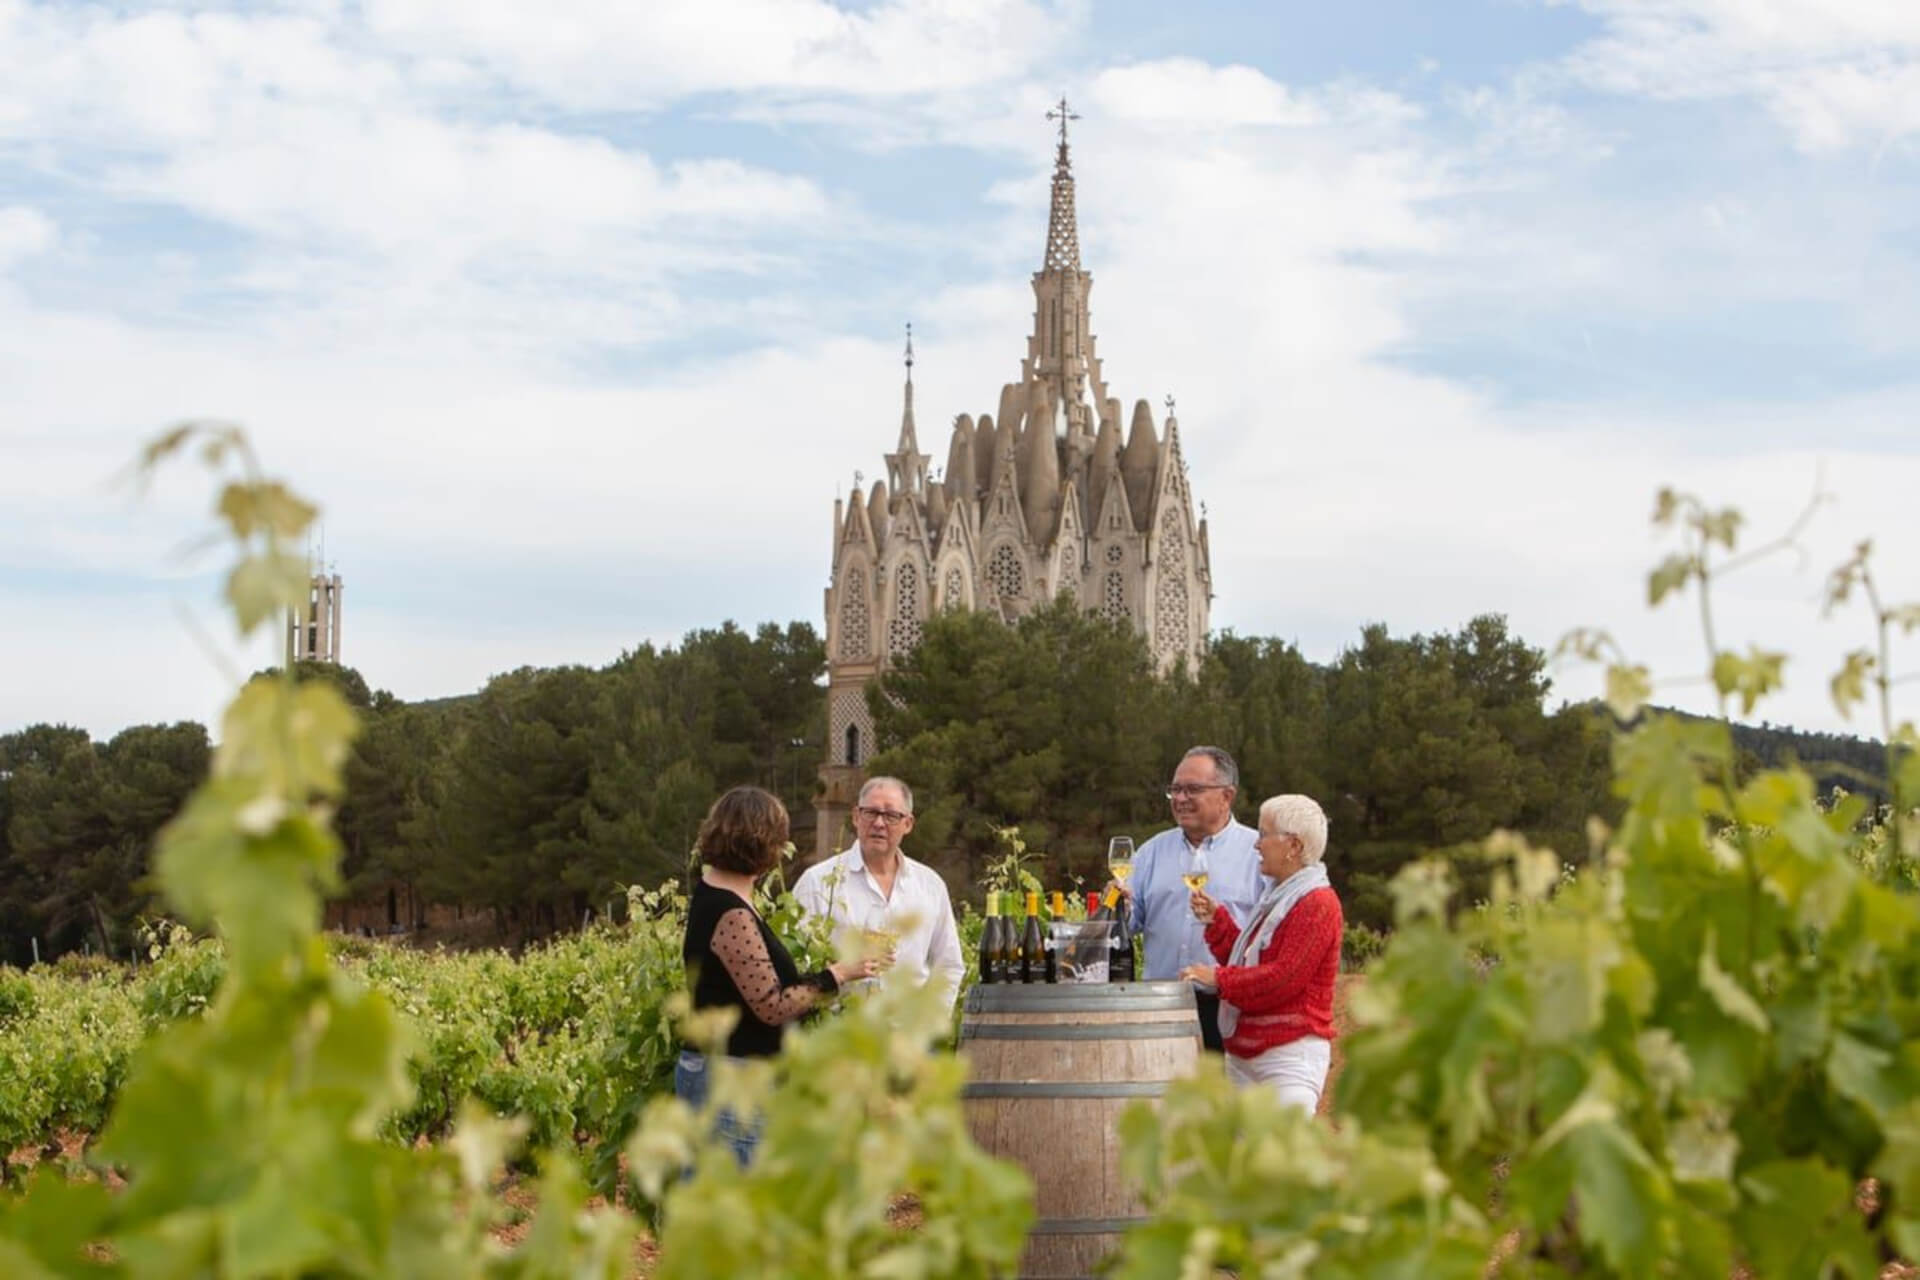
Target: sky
[[576, 317]]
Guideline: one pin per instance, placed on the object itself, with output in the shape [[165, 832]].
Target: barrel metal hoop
[[1184, 1029], [1078, 1004], [1084, 1226], [1064, 1089]]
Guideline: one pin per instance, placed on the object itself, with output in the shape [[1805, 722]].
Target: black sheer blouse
[[734, 960]]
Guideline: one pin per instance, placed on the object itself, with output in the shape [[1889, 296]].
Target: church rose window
[[856, 634], [1115, 555], [903, 629], [1005, 572]]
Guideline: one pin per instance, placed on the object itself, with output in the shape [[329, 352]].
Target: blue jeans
[[691, 1083]]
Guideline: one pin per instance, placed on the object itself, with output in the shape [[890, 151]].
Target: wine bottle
[[1121, 968], [1093, 906], [990, 938], [1007, 957], [1108, 907], [1033, 954], [1053, 954]]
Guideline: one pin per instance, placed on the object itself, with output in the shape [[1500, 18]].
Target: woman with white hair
[[1276, 976]]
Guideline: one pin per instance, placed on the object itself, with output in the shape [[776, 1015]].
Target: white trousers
[[1295, 1071]]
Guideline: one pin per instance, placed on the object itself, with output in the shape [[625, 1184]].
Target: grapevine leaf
[[1623, 1196], [264, 585], [1671, 575], [1841, 582], [46, 1229], [1798, 1220], [1751, 677], [1849, 684], [1898, 1163], [1721, 526], [249, 508], [1732, 999], [1421, 890], [1628, 689], [1568, 961]]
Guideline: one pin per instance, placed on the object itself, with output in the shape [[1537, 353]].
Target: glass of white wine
[[1196, 876], [1120, 859]]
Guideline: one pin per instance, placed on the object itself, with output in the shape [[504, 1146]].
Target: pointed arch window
[[1172, 628], [903, 628], [856, 621], [1006, 573]]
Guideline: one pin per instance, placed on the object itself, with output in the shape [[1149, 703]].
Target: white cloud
[[603, 54], [24, 233], [1190, 94], [1835, 73]]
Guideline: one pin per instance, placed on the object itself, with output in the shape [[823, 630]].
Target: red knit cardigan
[[1288, 993]]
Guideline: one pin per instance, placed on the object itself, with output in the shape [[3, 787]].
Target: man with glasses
[[880, 899], [1201, 796]]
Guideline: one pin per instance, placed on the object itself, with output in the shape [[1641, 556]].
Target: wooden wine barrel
[[1052, 1067]]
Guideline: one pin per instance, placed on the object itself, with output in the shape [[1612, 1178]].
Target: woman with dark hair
[[733, 958]]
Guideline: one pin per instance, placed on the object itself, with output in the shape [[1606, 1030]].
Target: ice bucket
[[1083, 948]]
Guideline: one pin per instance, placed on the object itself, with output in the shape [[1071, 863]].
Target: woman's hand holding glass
[[857, 969], [1203, 906]]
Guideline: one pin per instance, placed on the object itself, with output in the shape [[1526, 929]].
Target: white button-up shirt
[[919, 914]]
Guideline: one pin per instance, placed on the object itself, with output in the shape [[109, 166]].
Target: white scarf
[[1272, 908]]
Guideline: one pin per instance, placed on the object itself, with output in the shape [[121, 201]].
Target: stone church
[[1051, 493]]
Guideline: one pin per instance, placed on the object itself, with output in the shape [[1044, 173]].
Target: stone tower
[[1047, 495], [314, 636]]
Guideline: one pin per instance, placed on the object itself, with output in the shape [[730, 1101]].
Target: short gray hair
[[906, 792], [1223, 766], [1300, 817]]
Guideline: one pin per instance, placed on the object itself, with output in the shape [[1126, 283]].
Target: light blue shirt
[[1174, 939]]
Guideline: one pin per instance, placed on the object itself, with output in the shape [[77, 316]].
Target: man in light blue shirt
[[1201, 796]]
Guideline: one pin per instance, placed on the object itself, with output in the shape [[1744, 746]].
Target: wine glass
[[1120, 858], [1196, 875]]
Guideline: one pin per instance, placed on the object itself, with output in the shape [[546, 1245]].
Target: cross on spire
[[909, 351], [1062, 113], [1169, 404]]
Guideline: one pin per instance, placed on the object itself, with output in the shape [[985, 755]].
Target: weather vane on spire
[[1062, 113], [1169, 404]]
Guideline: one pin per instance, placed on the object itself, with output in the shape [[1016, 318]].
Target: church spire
[[1063, 230], [906, 465], [1060, 353], [906, 411]]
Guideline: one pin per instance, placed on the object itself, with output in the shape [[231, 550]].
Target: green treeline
[[531, 800], [1059, 724]]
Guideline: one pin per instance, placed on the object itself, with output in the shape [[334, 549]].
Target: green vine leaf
[[1732, 999], [1849, 684], [266, 585], [1751, 677], [1628, 688], [1671, 575]]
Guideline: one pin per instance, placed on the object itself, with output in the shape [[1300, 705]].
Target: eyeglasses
[[1190, 789], [888, 816]]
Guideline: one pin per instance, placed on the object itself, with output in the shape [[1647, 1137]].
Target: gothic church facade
[[1047, 496]]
